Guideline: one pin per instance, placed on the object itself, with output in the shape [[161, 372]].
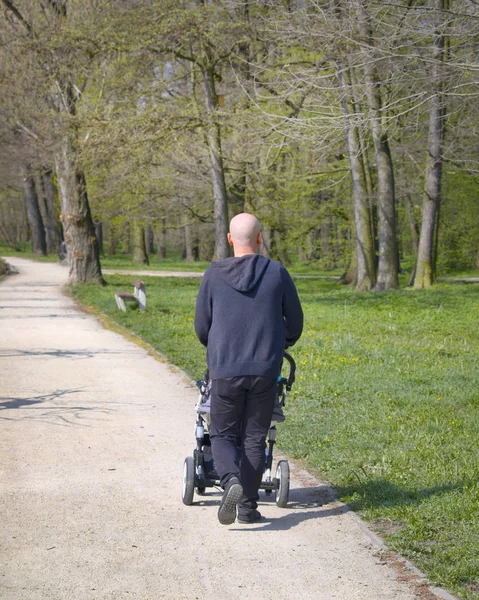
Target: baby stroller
[[199, 470]]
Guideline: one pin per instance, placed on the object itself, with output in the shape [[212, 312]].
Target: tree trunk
[[126, 238], [79, 231], [213, 136], [325, 237], [265, 249], [99, 237], [112, 239], [53, 229], [150, 240], [162, 239], [37, 228], [426, 260], [413, 222], [387, 277], [364, 247], [139, 250], [188, 242]]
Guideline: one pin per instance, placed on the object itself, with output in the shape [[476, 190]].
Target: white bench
[[138, 296]]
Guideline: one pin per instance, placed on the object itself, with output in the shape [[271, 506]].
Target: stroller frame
[[195, 473]]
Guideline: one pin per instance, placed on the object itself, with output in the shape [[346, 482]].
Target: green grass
[[385, 406], [27, 253], [124, 262]]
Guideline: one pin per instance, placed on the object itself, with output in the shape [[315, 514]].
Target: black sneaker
[[231, 496], [252, 517]]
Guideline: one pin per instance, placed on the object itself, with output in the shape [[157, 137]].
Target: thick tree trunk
[[78, 228], [220, 197], [387, 277], [139, 250], [35, 221], [366, 276], [426, 256]]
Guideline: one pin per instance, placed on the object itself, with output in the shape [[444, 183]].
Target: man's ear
[[259, 237], [230, 239]]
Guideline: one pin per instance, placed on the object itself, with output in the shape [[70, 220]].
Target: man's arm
[[292, 311], [203, 312]]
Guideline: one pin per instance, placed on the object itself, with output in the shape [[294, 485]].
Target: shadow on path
[[73, 354], [305, 504], [58, 414]]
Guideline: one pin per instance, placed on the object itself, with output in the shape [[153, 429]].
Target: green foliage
[[459, 227], [385, 405], [137, 72]]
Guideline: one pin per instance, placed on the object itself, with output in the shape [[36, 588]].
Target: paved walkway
[[94, 432]]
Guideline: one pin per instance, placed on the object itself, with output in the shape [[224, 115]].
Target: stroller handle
[[292, 371], [201, 383]]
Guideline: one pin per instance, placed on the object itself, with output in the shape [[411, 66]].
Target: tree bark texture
[[139, 250], [220, 196], [79, 230], [426, 256], [35, 221], [387, 277], [365, 278]]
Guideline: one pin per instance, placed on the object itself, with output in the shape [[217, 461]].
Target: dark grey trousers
[[241, 410]]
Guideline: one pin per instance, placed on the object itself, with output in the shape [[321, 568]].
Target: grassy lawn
[[386, 405]]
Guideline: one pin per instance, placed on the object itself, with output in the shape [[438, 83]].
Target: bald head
[[245, 234]]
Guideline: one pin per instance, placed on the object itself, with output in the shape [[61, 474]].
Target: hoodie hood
[[242, 273]]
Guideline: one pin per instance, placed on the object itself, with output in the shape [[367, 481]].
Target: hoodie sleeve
[[292, 311], [203, 312]]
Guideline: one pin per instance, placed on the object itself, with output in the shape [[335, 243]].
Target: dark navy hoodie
[[247, 312]]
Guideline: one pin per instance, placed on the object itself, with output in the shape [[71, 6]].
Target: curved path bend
[[94, 432]]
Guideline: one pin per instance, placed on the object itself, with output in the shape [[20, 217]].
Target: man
[[247, 312]]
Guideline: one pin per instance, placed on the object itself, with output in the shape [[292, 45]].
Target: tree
[[46, 44], [425, 275], [387, 277], [35, 220]]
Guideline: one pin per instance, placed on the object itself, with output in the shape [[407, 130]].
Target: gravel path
[[94, 432]]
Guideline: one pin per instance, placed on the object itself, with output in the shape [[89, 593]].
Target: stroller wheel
[[282, 477], [188, 487], [200, 491]]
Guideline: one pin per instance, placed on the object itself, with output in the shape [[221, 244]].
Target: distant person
[[247, 313]]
